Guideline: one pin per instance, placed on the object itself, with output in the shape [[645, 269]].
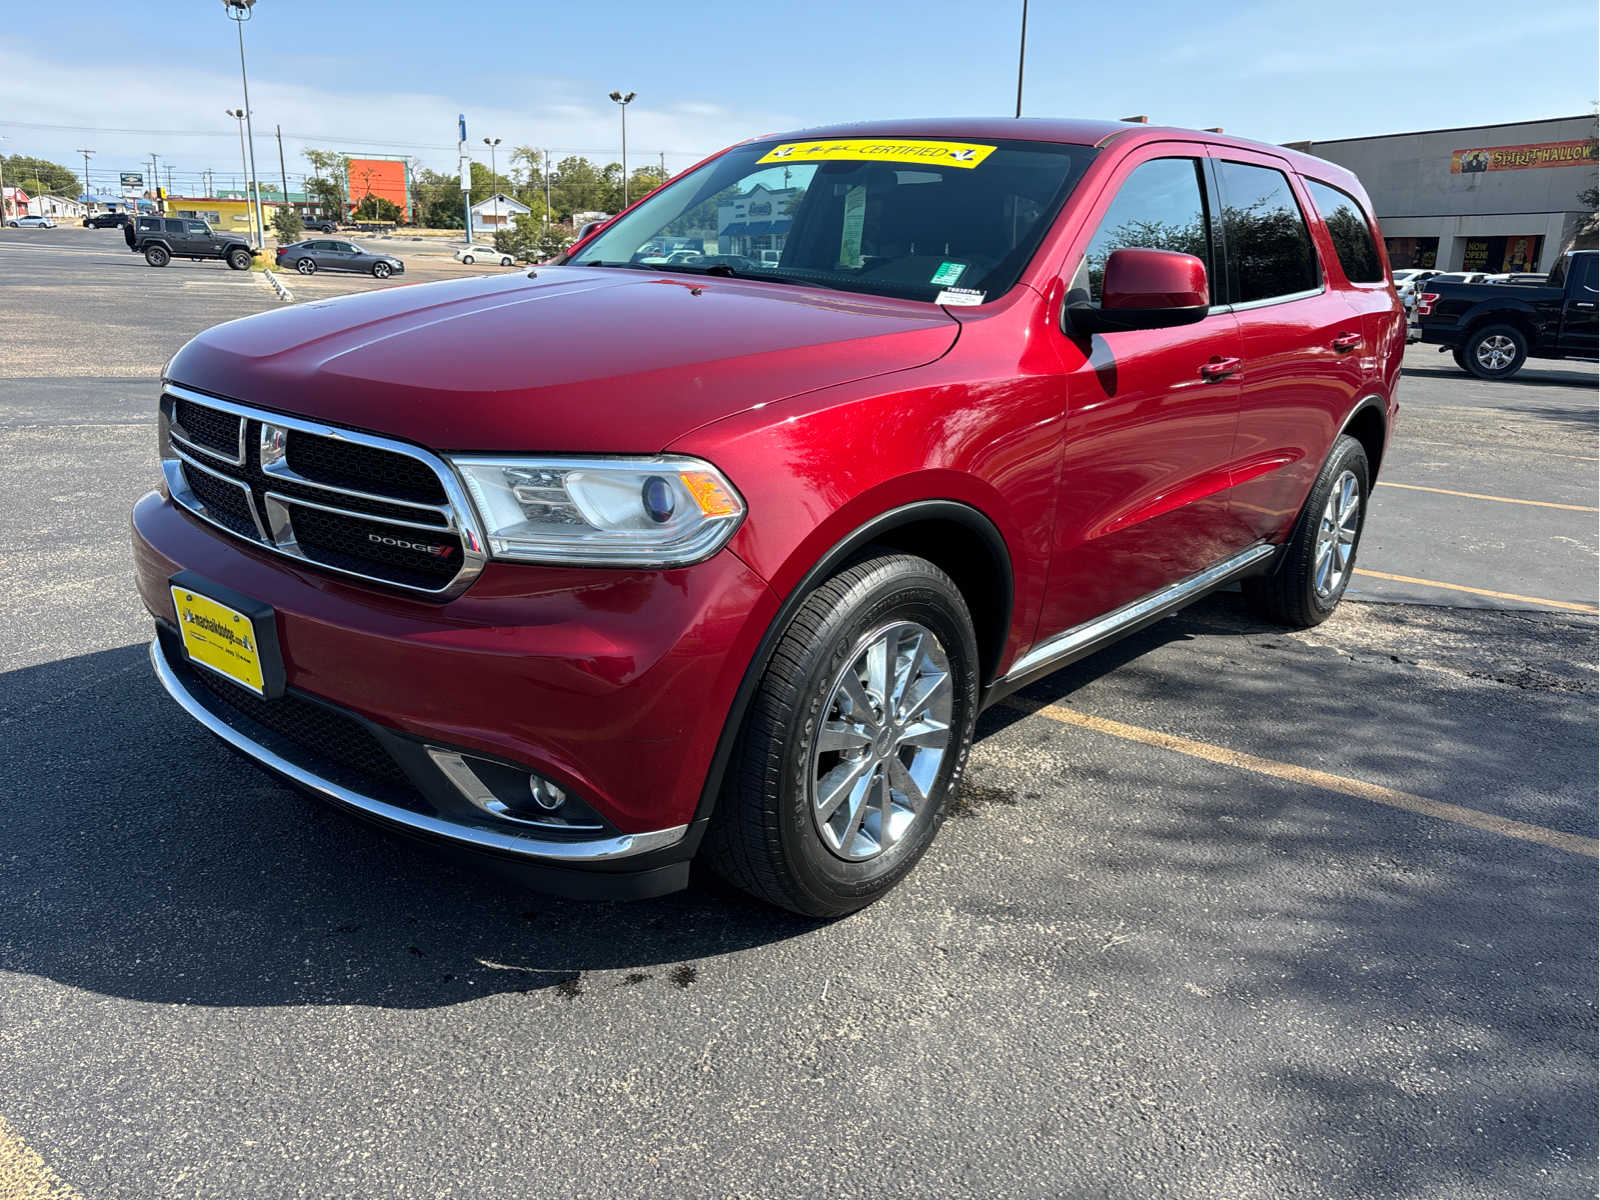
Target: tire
[[1495, 352], [768, 836], [505, 261], [467, 259], [306, 266], [381, 270], [239, 260], [1297, 593], [157, 256]]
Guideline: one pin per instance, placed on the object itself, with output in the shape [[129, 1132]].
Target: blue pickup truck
[[1493, 328]]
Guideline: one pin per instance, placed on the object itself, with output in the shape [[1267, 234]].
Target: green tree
[[438, 199], [326, 186], [527, 174], [577, 186], [532, 239], [376, 208], [286, 224], [38, 176]]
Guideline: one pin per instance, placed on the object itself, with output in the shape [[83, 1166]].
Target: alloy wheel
[[1336, 535], [884, 735], [1496, 352]]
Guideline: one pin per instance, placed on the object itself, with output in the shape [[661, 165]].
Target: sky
[[140, 77]]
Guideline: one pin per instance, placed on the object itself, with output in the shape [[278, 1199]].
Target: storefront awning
[[734, 229]]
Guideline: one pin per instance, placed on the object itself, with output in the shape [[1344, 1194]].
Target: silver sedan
[[329, 254]]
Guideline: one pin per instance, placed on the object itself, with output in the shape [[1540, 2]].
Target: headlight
[[602, 512]]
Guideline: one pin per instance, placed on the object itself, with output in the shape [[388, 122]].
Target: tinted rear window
[[1268, 242], [1352, 236]]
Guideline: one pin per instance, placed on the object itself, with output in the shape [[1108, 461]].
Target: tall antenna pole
[[1022, 55], [283, 172]]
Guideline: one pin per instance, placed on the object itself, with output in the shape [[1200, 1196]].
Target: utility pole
[[547, 188], [663, 166], [283, 172], [86, 188], [169, 181]]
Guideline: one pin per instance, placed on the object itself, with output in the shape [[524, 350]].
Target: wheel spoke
[[928, 733], [878, 667], [903, 675], [842, 735], [860, 801], [838, 783], [901, 778], [923, 693], [860, 703]]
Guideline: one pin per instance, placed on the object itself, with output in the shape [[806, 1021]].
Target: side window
[[1160, 206], [1268, 242], [1587, 269], [1352, 236], [198, 227], [172, 226]]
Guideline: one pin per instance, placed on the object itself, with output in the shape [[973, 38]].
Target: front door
[[1307, 348], [1579, 329], [1151, 413]]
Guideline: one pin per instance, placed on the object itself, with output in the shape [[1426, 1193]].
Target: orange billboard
[[381, 177], [1522, 158]]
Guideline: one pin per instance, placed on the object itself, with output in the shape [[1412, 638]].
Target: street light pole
[[238, 115], [240, 11], [494, 177], [624, 101], [547, 188], [1022, 55]]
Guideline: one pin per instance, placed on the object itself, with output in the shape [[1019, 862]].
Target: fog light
[[546, 794]]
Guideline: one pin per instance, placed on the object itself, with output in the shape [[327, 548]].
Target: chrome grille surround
[[273, 511]]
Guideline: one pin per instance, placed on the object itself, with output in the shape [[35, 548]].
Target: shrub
[[286, 223]]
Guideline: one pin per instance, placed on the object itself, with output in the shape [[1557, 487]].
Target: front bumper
[[613, 684]]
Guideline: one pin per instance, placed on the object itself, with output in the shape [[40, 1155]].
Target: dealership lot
[[1224, 910]]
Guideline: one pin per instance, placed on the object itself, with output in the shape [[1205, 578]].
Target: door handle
[[1346, 342], [1218, 368]]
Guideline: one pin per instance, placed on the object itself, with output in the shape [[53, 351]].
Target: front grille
[[355, 545], [340, 500], [207, 427], [332, 736], [363, 469], [225, 502]]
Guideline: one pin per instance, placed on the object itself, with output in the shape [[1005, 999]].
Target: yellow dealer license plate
[[221, 638]]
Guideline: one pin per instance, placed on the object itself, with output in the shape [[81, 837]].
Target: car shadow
[[143, 860], [1555, 376]]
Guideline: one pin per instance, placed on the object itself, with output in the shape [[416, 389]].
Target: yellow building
[[232, 216]]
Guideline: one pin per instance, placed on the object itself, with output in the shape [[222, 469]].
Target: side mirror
[[1146, 289], [589, 228]]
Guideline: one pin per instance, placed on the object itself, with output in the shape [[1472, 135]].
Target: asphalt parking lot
[[1223, 911]]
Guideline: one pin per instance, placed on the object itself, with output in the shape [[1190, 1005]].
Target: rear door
[[1305, 346], [1148, 438]]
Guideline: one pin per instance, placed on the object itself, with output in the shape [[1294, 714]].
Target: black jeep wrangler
[[162, 239]]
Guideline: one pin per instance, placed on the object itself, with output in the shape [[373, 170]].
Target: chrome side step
[[1083, 640]]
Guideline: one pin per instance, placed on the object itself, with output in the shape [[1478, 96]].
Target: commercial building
[[1477, 198], [223, 213]]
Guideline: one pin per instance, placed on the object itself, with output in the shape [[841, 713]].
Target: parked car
[[1492, 329], [107, 220], [600, 569], [322, 225], [488, 254], [324, 254], [162, 239], [30, 222], [1459, 277]]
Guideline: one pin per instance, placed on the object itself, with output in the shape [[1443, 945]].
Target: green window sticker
[[948, 273]]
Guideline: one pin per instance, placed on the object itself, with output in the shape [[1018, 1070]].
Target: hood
[[576, 360]]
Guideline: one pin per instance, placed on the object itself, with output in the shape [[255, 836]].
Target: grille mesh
[[208, 427], [342, 542], [330, 735], [224, 503], [363, 468]]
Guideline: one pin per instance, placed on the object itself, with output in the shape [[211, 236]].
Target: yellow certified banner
[[931, 154], [216, 636]]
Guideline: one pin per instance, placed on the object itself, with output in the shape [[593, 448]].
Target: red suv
[[612, 564]]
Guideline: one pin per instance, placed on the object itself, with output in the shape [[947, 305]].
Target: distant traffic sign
[[132, 179]]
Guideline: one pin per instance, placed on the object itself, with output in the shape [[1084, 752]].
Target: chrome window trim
[[275, 759], [461, 516]]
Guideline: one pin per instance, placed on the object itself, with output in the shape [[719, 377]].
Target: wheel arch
[[954, 536], [1501, 312], [1369, 425]]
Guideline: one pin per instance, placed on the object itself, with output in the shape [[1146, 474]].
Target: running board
[[1083, 640]]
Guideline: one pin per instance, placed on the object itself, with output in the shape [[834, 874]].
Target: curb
[[284, 293]]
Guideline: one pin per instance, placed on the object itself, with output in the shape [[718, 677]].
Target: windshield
[[951, 222]]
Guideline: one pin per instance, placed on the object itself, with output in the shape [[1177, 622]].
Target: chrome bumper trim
[[533, 850]]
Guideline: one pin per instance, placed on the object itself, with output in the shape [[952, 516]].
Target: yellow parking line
[[1413, 487], [26, 1176], [1461, 587], [1570, 842]]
